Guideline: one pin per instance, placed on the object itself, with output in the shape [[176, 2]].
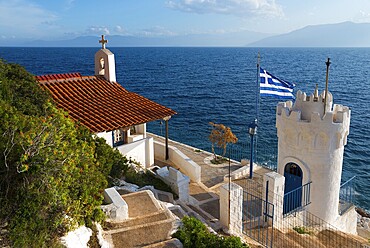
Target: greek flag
[[275, 87]]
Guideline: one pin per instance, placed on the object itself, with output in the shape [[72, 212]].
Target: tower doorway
[[293, 187]]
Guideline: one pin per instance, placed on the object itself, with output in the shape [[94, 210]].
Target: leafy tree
[[55, 184], [52, 171], [221, 136], [21, 90], [194, 233]]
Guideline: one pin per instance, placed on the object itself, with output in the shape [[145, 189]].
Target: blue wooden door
[[293, 187]]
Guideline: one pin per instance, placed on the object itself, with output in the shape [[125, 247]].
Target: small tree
[[221, 136]]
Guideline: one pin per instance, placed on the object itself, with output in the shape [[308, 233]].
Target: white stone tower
[[104, 62], [311, 146]]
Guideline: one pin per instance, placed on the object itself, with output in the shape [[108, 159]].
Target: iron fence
[[346, 194], [258, 219], [265, 152], [264, 156], [301, 228]]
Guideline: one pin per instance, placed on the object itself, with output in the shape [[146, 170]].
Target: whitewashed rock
[[117, 209], [77, 238], [102, 242]]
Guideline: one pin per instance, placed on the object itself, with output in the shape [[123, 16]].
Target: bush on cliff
[[194, 233]]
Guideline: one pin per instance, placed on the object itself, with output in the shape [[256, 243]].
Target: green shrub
[[301, 230], [194, 233], [114, 164], [146, 178]]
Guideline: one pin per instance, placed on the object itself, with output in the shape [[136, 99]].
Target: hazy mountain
[[222, 39], [346, 34]]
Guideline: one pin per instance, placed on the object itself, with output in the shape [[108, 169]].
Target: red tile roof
[[99, 104], [58, 76]]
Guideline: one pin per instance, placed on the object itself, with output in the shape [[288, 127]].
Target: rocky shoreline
[[363, 223]]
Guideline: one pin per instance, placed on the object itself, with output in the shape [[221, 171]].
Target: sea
[[219, 85]]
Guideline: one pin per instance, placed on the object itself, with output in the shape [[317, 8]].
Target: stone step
[[141, 235], [153, 217], [172, 243], [143, 204]]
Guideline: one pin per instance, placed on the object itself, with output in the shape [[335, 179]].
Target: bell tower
[[104, 62], [312, 134]]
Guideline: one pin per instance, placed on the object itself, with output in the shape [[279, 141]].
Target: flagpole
[[258, 85], [257, 97], [253, 126], [327, 82]]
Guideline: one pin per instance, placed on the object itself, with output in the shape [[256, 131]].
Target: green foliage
[[301, 230], [52, 173], [146, 178], [194, 233], [21, 90], [116, 165], [55, 184]]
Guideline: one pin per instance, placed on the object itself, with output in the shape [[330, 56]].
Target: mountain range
[[345, 34]]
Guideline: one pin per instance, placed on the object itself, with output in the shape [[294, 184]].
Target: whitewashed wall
[[142, 151], [107, 136], [185, 164]]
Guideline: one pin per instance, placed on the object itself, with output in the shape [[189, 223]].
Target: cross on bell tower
[[103, 41], [104, 62]]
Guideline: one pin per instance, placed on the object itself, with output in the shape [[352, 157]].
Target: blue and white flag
[[275, 87]]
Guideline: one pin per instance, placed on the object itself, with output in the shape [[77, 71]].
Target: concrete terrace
[[212, 175], [206, 193]]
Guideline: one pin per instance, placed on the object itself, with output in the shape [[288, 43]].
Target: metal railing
[[265, 152], [297, 199], [346, 194]]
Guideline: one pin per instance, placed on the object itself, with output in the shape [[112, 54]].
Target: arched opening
[[101, 66], [293, 187]]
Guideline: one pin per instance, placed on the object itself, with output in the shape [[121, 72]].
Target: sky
[[64, 19]]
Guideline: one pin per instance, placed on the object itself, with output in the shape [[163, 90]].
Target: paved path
[[211, 174]]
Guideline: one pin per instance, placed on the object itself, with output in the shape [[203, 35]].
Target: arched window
[[102, 64]]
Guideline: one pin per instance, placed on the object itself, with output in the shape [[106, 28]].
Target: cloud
[[155, 31], [4, 37], [21, 16], [68, 4], [244, 8], [97, 30], [362, 16], [120, 30]]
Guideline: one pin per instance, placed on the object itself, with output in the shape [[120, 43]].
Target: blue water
[[218, 84]]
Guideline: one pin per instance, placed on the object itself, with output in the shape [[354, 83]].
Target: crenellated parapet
[[304, 124]]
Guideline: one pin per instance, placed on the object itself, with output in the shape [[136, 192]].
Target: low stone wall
[[117, 210], [178, 182], [237, 174], [184, 163], [347, 222]]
